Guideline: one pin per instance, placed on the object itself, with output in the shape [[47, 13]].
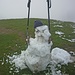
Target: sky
[[63, 10]]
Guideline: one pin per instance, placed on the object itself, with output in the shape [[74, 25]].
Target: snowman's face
[[42, 31]]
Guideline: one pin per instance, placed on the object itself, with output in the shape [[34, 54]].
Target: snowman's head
[[42, 31]]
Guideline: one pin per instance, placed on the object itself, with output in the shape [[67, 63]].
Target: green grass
[[12, 39]]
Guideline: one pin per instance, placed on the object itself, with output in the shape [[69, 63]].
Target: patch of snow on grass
[[72, 40], [73, 31], [59, 32], [58, 26], [73, 26]]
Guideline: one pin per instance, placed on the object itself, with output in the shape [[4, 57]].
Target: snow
[[72, 40], [37, 55], [73, 31], [73, 26], [18, 60], [59, 32], [59, 72], [58, 26], [59, 55]]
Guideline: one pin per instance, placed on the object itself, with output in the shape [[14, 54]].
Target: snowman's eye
[[43, 30]]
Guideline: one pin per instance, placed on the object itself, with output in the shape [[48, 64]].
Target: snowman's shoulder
[[32, 41]]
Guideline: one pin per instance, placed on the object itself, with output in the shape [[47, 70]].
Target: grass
[[13, 35]]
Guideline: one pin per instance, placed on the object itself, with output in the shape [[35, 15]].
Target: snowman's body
[[37, 55]]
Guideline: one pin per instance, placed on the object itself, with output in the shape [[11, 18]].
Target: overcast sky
[[60, 10]]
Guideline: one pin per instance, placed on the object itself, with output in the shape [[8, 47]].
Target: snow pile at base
[[60, 56], [18, 60], [37, 60]]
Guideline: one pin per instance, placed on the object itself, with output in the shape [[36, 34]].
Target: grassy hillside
[[13, 34]]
